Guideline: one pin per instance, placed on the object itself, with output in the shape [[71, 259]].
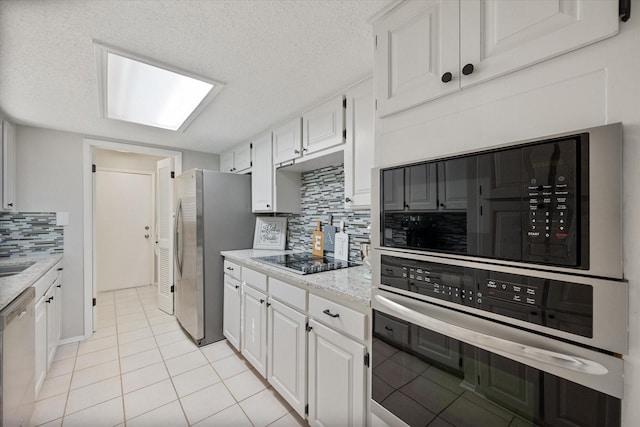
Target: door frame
[[88, 154]]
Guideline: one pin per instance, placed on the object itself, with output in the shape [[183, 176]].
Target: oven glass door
[[425, 378]]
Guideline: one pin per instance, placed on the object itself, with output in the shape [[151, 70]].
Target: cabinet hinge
[[173, 174], [376, 105], [251, 163], [93, 168], [344, 134], [94, 302], [344, 102], [366, 360], [306, 409], [251, 145], [624, 8], [173, 288], [308, 328], [376, 41]]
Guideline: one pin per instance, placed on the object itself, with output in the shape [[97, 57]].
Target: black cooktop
[[305, 263]]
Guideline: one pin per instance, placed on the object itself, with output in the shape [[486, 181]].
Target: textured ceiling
[[276, 58]]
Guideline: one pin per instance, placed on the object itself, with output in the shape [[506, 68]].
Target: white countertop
[[12, 286], [346, 285]]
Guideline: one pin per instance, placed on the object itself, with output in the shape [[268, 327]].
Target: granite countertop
[[346, 285], [12, 286]]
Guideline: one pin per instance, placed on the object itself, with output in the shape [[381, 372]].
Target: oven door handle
[[495, 344]]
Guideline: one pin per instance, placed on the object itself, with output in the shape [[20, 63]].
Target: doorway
[[119, 196]]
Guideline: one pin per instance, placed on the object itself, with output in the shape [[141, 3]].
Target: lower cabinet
[[254, 328], [41, 342], [337, 374], [231, 310], [287, 354]]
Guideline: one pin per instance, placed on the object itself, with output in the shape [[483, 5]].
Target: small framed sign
[[270, 232]]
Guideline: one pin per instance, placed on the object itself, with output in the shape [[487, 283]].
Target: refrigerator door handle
[[178, 243]]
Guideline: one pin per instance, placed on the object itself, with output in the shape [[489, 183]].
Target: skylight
[[141, 92]]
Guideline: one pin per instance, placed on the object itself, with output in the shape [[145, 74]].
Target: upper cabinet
[[8, 165], [427, 49], [262, 175], [323, 126], [237, 160], [358, 151], [287, 141]]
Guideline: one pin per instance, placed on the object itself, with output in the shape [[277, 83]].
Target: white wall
[[49, 179], [113, 159], [596, 85]]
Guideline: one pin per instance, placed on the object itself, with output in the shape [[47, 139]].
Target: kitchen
[[587, 87]]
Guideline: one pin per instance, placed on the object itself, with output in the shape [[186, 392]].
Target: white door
[[336, 379], [231, 311], [287, 141], [124, 250], [164, 234], [254, 329]]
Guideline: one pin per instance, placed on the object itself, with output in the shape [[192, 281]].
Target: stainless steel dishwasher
[[17, 354]]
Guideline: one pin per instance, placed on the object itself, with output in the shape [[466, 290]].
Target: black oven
[[554, 201]]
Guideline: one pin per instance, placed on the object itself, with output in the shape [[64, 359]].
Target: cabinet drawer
[[254, 279], [338, 316], [287, 293], [233, 270], [44, 283]]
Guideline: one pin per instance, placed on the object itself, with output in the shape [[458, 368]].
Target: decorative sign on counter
[[317, 242], [270, 232]]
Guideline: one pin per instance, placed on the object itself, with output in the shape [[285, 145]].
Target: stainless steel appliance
[[213, 213], [305, 263], [553, 201], [17, 354]]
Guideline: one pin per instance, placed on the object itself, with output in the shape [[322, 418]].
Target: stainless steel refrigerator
[[213, 213]]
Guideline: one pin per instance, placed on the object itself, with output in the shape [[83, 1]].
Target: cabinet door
[[393, 189], [254, 328], [287, 141], [421, 187], [358, 153], [453, 183], [8, 165], [52, 341], [416, 46], [226, 161], [323, 126], [231, 311], [262, 175], [58, 306], [41, 342], [336, 379], [242, 157], [500, 36], [287, 344]]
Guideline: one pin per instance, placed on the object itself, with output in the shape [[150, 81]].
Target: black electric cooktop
[[305, 263]]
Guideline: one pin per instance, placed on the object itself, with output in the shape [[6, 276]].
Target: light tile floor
[[140, 369]]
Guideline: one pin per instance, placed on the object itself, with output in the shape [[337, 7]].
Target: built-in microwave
[[552, 201]]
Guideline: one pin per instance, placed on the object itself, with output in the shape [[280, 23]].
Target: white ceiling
[[276, 57]]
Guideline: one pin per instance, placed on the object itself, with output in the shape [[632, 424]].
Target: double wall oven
[[498, 295]]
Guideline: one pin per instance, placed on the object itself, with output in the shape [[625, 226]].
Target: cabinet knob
[[296, 151], [348, 200], [406, 205], [442, 205], [446, 77], [261, 301], [467, 69], [304, 149], [268, 205], [237, 286]]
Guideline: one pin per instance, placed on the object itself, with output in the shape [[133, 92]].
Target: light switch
[[62, 218]]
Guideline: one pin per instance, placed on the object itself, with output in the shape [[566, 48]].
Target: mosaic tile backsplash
[[28, 232], [323, 194]]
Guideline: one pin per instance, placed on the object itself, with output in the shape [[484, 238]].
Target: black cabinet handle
[[60, 269], [261, 301], [442, 205], [328, 313], [59, 286], [446, 77], [10, 204], [230, 268], [237, 286], [268, 304], [268, 205], [388, 328], [467, 69], [406, 205], [348, 200]]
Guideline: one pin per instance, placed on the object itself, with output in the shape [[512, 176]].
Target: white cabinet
[[427, 49], [52, 327], [287, 351], [231, 310], [8, 165], [262, 175], [254, 320], [41, 342], [323, 126], [287, 141], [358, 151], [237, 160], [337, 374]]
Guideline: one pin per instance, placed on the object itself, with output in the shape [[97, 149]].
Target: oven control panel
[[556, 304]]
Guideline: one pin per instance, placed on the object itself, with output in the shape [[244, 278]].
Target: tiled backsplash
[[323, 194], [28, 232]]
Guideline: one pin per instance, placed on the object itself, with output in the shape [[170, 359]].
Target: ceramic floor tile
[[66, 351], [290, 420], [245, 384], [61, 367], [54, 423], [230, 366], [177, 348], [93, 394], [96, 358], [232, 416], [146, 399], [163, 328], [94, 374], [92, 345], [195, 380], [152, 312], [105, 414], [204, 403], [264, 408], [106, 323], [136, 316], [158, 320], [138, 346], [129, 309], [103, 333], [218, 350], [144, 377], [170, 337], [140, 360], [132, 336], [48, 410], [54, 386], [132, 326], [167, 415], [186, 362]]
